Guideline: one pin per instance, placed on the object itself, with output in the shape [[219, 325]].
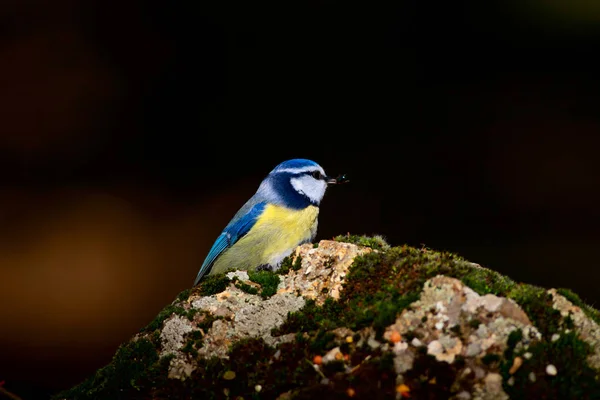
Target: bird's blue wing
[[233, 232]]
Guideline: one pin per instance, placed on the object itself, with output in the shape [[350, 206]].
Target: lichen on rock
[[452, 321], [355, 317]]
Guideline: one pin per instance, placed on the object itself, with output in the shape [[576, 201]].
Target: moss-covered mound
[[408, 323]]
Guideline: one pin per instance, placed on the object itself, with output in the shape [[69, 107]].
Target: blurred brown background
[[130, 135]]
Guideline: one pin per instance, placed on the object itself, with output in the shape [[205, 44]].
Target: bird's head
[[297, 177]]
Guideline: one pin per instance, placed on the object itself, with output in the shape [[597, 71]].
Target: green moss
[[297, 264], [375, 242], [574, 380], [459, 361], [162, 316], [568, 322], [388, 309], [165, 313], [431, 379], [244, 286], [212, 284], [322, 342], [287, 265], [455, 329], [191, 313], [184, 294], [537, 304], [591, 312], [490, 358], [191, 346], [301, 321], [511, 342], [267, 280], [474, 323]]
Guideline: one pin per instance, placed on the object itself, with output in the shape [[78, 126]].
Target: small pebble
[[435, 347], [464, 395], [528, 355], [510, 381], [373, 343], [439, 326], [517, 362], [416, 342], [551, 370], [332, 355], [532, 376], [258, 388], [555, 337]]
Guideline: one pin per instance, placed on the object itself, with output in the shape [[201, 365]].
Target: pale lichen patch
[[323, 269]]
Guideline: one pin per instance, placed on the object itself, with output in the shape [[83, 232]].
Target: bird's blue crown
[[296, 163]]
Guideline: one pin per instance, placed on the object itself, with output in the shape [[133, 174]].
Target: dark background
[[131, 133]]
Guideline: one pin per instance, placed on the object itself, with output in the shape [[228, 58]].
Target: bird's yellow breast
[[284, 228], [275, 234]]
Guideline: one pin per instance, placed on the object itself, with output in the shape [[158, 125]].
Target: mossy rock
[[378, 287]]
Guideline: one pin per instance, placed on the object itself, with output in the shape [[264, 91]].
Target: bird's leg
[[264, 267]]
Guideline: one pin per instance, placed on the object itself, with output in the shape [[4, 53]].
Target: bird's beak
[[331, 181]]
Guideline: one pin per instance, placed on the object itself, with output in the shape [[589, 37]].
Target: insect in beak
[[337, 180]]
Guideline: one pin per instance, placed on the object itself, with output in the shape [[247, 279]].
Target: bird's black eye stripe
[[316, 175]]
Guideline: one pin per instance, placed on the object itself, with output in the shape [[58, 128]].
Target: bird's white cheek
[[310, 187]]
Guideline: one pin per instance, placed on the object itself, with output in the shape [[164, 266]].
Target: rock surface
[[352, 321]]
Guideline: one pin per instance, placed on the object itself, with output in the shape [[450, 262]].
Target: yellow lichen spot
[[339, 356], [350, 392], [349, 339], [229, 375], [403, 390]]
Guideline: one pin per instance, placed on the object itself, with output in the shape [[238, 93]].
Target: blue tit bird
[[281, 215]]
